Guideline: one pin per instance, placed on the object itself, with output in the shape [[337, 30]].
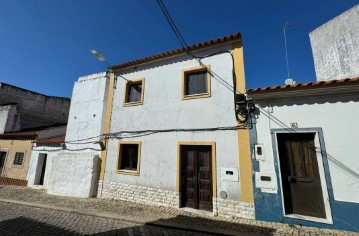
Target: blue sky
[[45, 44]]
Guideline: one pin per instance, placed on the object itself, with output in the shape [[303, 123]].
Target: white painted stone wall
[[35, 165], [87, 111], [335, 46], [162, 109], [230, 208], [338, 116], [140, 194], [74, 174]]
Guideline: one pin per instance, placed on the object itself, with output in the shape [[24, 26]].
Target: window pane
[[196, 83], [129, 155], [134, 92], [19, 157]]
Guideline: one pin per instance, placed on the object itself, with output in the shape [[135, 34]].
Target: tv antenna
[[286, 26]]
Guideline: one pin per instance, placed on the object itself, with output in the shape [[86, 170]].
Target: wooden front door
[[2, 161], [196, 177], [302, 189]]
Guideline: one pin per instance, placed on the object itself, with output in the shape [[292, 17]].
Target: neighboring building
[[304, 141], [304, 150], [24, 117], [23, 109], [335, 46], [16, 151], [167, 134], [74, 168], [43, 151]]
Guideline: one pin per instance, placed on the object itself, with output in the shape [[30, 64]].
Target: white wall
[[338, 117], [335, 46], [87, 111], [35, 165], [162, 109], [74, 174]]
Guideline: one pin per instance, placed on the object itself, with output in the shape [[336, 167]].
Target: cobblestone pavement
[[24, 220], [154, 214]]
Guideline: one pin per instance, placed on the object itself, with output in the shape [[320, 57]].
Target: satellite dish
[[289, 81]]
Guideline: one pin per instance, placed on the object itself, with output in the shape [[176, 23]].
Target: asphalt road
[[25, 220]]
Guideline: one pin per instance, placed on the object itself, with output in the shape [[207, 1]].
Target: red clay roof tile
[[307, 85], [177, 51]]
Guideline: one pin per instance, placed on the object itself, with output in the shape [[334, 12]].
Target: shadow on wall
[[26, 226]]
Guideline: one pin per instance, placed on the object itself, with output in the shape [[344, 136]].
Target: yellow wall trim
[[245, 163], [107, 123]]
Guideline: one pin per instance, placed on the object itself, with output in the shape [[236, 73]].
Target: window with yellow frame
[[129, 157], [196, 82], [134, 91]]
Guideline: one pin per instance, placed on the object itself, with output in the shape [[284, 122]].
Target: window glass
[[134, 91], [128, 157], [19, 158], [196, 83]]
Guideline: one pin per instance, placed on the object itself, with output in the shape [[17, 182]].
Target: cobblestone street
[[26, 211], [23, 220]]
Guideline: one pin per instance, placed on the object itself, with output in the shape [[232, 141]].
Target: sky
[[45, 44]]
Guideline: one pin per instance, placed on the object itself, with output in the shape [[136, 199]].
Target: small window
[[196, 83], [129, 158], [19, 158], [134, 92]]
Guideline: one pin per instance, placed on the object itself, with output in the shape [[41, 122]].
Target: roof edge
[[178, 51]]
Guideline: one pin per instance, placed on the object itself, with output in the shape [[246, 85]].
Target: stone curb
[[159, 223]]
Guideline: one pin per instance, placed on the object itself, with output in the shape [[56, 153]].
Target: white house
[[304, 148], [174, 137], [304, 139]]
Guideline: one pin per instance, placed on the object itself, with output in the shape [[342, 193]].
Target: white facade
[[163, 108], [73, 170], [335, 47], [336, 115], [86, 117], [36, 162], [331, 114]]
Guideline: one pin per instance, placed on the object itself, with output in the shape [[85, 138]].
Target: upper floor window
[[134, 92], [19, 158], [196, 83]]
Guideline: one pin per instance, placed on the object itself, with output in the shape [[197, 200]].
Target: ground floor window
[[129, 158]]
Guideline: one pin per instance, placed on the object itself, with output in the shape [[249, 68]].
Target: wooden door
[[302, 188], [2, 161], [196, 177]]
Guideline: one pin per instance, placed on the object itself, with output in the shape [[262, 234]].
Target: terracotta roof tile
[[307, 85], [177, 51], [51, 141], [20, 135]]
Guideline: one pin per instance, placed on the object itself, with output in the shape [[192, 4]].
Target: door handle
[[299, 179]]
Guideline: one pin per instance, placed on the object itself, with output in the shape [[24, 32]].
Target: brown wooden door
[[302, 189], [196, 177]]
